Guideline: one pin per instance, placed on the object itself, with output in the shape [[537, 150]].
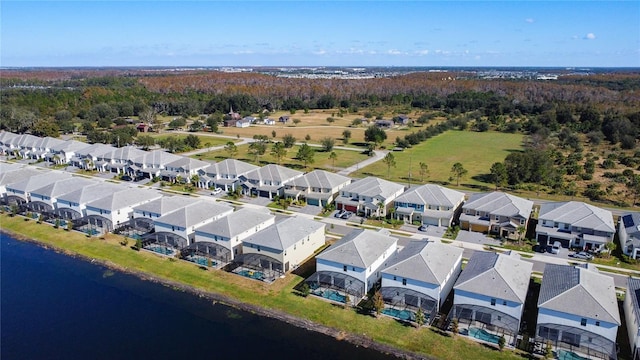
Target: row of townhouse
[[573, 224], [577, 306], [197, 228]]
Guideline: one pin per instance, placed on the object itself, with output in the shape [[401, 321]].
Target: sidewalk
[[377, 156]]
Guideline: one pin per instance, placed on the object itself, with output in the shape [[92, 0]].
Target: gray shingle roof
[[431, 194], [37, 181], [124, 198], [579, 291], [127, 153], [91, 193], [48, 142], [630, 225], [237, 222], [70, 146], [372, 186], [578, 214], [231, 166], [188, 164], [95, 150], [283, 234], [7, 137], [273, 172], [499, 203], [496, 275], [358, 248], [165, 204], [62, 187], [425, 261], [156, 158], [633, 290], [194, 213], [11, 176], [320, 179]]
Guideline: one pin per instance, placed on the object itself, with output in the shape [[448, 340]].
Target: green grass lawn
[[279, 295], [345, 158], [474, 150], [212, 140]]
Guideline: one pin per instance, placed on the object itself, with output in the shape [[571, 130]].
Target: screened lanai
[[400, 298], [473, 317], [576, 340], [338, 281]]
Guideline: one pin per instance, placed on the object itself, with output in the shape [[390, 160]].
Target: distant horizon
[[481, 33], [195, 67]]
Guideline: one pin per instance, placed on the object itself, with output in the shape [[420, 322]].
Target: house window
[[583, 322], [404, 281], [493, 302], [344, 268]]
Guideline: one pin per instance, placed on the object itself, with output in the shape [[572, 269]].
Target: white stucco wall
[[467, 298], [607, 330]]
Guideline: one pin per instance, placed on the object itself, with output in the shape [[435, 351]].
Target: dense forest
[[576, 124]]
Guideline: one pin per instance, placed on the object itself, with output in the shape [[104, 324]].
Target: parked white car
[[216, 191]]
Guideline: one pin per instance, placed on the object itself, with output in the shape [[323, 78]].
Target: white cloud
[[394, 52], [320, 52], [590, 36], [529, 20], [422, 52]]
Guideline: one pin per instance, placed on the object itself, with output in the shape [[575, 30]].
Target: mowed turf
[[474, 150], [280, 295]]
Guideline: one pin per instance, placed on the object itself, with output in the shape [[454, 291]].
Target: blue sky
[[320, 33]]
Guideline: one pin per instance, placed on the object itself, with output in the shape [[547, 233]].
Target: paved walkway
[[377, 156]]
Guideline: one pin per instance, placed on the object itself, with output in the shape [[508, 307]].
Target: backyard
[[279, 295]]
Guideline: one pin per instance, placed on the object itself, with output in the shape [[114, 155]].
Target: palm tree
[[458, 171], [424, 170], [333, 156], [390, 161], [88, 164], [521, 230]]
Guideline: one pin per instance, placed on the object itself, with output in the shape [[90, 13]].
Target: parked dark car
[[126, 178], [539, 248]]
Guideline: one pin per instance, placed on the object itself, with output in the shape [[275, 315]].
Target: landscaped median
[[277, 300]]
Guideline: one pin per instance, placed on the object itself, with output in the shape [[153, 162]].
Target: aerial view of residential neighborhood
[[406, 200]]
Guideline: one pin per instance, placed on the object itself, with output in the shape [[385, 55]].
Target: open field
[[345, 158], [315, 124], [474, 150], [205, 138], [279, 295]]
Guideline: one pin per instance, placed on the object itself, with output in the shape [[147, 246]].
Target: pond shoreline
[[355, 339]]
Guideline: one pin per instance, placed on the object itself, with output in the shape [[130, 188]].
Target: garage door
[[351, 208], [315, 202], [564, 242], [430, 221]]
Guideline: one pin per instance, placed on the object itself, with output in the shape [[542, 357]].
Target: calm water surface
[[58, 307]]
